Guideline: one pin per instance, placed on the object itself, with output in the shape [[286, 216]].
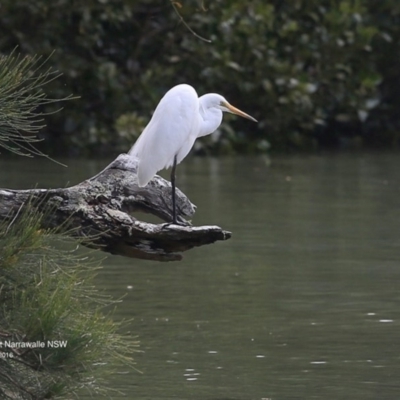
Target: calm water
[[302, 303]]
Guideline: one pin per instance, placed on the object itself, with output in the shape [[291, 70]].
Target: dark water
[[302, 303]]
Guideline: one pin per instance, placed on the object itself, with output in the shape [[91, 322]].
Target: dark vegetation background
[[315, 73]]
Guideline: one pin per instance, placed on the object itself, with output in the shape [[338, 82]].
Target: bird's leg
[[174, 221], [174, 216]]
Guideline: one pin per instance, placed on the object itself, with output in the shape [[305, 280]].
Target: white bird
[[179, 119]]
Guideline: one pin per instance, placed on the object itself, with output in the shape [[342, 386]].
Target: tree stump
[[99, 212]]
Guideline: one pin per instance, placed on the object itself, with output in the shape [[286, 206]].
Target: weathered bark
[[99, 212]]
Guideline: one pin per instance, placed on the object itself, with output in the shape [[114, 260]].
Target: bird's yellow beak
[[236, 111]]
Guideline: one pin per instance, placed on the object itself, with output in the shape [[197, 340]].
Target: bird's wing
[[173, 126]]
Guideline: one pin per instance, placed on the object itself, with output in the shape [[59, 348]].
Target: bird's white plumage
[[180, 117], [171, 131]]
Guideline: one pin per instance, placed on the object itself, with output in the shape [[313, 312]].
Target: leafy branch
[[21, 99]]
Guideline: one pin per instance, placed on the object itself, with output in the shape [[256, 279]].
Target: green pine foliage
[[23, 101], [47, 294]]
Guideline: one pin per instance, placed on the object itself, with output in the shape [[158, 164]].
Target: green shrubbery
[[47, 294], [46, 291], [313, 73]]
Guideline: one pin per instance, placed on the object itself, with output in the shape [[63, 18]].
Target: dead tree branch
[[99, 212]]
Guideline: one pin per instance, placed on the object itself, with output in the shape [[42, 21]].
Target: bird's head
[[219, 102]]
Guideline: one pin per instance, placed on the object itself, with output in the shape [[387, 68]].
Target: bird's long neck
[[210, 117]]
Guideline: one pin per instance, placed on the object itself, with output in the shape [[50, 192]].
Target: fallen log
[[99, 212]]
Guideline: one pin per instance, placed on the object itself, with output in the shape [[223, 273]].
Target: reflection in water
[[301, 303]]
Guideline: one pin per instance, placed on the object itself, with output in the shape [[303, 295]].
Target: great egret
[[179, 119]]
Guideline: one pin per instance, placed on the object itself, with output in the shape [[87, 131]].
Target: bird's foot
[[166, 225]]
